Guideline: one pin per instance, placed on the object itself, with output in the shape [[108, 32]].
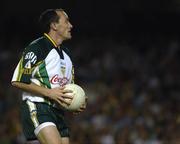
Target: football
[[78, 97]]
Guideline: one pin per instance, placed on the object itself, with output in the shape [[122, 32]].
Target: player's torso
[[54, 71]]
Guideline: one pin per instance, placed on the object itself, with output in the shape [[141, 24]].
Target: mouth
[[69, 31]]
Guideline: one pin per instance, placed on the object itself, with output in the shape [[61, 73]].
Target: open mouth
[[69, 32]]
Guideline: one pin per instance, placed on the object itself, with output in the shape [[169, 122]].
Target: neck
[[56, 38]]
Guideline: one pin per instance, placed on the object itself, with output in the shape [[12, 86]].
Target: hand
[[60, 95], [82, 108]]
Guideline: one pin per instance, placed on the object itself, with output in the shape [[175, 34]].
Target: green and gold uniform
[[46, 65]]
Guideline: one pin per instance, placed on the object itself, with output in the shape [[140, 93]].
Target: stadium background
[[127, 58]]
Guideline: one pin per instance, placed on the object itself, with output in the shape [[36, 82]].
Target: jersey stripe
[[44, 75], [20, 69], [33, 113], [50, 39]]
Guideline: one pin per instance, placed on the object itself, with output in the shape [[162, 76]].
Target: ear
[[53, 26]]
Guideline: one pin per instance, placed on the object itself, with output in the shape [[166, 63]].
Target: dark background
[[126, 56], [95, 18]]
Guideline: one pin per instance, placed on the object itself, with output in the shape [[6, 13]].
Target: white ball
[[78, 97]]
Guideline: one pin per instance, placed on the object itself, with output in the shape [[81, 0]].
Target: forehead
[[62, 14]]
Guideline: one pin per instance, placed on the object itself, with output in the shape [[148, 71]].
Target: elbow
[[15, 84]]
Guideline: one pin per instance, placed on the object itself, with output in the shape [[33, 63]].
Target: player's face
[[64, 26]]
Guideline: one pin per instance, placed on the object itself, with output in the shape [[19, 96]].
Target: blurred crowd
[[132, 84]]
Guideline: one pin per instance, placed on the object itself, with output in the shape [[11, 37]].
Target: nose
[[70, 25]]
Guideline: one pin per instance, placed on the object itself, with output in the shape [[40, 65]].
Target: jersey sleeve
[[29, 60]]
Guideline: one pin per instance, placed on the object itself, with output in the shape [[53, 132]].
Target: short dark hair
[[47, 17]]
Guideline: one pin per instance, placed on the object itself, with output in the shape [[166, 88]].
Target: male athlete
[[43, 70]]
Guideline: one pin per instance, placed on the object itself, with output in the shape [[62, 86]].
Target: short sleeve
[[29, 60]]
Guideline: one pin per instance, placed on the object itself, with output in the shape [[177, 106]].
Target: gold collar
[[53, 42]]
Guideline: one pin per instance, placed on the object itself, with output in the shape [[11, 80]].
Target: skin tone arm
[[57, 94]]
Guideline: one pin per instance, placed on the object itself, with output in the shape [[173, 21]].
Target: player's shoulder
[[34, 48], [37, 43], [39, 46], [34, 45]]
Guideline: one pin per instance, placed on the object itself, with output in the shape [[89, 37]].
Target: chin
[[69, 37]]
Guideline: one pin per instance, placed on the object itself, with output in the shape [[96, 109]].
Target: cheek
[[62, 29]]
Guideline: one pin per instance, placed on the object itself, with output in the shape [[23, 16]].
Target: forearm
[[57, 94], [32, 88]]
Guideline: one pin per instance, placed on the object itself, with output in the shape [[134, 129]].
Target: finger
[[69, 96], [67, 102], [62, 87], [83, 106], [67, 91], [62, 100], [76, 113], [80, 110]]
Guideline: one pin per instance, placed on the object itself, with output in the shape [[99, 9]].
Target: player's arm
[[31, 58], [57, 94]]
